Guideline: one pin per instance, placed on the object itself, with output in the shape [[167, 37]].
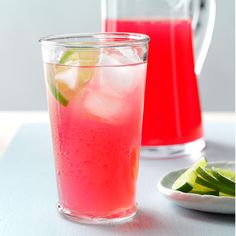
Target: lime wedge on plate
[[187, 180], [227, 173], [205, 183], [212, 192], [222, 177], [206, 174], [206, 179], [199, 189]]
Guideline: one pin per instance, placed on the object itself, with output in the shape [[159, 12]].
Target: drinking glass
[[95, 88]]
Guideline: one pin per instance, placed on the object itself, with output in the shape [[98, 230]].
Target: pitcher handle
[[203, 20]]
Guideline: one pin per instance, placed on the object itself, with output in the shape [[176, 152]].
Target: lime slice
[[50, 73], [85, 58], [230, 174], [223, 178], [206, 174], [205, 183], [186, 181], [77, 66], [215, 184], [82, 57], [213, 192], [225, 195], [199, 189], [56, 93]]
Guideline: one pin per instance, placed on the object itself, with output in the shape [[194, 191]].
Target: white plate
[[207, 203]]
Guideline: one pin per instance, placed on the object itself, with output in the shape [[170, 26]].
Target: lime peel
[[214, 185], [187, 180], [56, 93], [85, 59], [199, 179], [213, 192], [223, 179]]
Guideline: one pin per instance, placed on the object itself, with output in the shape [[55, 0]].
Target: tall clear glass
[[95, 87], [172, 124]]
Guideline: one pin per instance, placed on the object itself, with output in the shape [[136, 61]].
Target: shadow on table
[[219, 219], [144, 221], [219, 152]]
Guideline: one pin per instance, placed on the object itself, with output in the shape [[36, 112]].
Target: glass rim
[[121, 39]]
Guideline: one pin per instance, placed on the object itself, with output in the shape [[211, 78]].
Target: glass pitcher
[[172, 124]]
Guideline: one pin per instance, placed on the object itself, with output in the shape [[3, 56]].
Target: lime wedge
[[56, 93], [225, 195], [221, 177], [186, 181], [198, 187], [227, 173], [206, 174], [205, 183], [80, 56], [77, 66], [85, 58], [213, 192], [50, 73], [68, 56], [213, 183]]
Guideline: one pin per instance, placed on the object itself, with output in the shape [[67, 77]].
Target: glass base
[[114, 218], [171, 151]]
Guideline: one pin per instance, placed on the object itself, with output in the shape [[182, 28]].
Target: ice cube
[[105, 106], [108, 59], [117, 74], [116, 56], [68, 76], [129, 55], [120, 80]]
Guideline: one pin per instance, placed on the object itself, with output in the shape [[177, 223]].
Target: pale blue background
[[23, 22]]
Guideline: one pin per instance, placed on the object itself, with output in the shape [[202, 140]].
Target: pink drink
[[172, 112], [96, 138]]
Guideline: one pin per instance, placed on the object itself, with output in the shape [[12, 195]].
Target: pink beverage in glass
[[172, 112], [95, 99]]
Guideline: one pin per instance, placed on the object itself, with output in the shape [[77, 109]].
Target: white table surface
[[28, 190]]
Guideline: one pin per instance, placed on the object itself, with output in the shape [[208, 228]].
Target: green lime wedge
[[215, 184], [198, 187], [186, 180], [56, 93], [205, 183], [225, 195], [206, 174], [223, 178], [85, 58], [230, 174], [50, 74], [68, 56], [213, 192]]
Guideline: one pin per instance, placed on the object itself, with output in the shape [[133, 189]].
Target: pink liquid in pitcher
[[172, 112]]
